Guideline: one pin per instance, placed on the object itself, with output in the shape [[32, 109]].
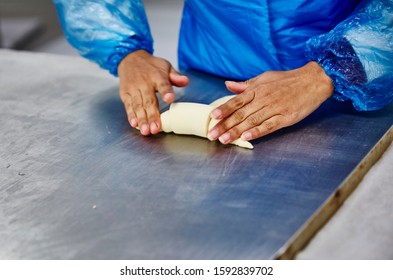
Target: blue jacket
[[352, 40]]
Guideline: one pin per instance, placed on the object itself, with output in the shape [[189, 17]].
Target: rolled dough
[[194, 119]]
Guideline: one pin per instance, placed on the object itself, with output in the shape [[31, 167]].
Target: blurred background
[[33, 25]]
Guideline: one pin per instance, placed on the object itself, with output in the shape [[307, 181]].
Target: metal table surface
[[76, 182]]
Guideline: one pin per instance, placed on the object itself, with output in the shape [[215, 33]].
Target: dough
[[221, 100], [194, 119], [187, 118]]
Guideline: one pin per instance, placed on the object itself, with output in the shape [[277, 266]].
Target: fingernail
[[145, 129], [134, 122], [153, 127], [216, 114], [229, 82], [212, 136], [246, 136], [167, 96], [225, 138]]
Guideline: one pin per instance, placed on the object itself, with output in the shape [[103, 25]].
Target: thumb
[[177, 79]]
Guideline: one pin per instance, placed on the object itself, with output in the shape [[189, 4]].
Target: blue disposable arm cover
[[362, 72], [105, 31]]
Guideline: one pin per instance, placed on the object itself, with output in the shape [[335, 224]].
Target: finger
[[225, 125], [236, 87], [239, 87], [164, 88], [140, 113], [126, 99], [232, 105], [177, 79], [132, 119], [248, 116], [150, 105], [268, 126], [253, 120]]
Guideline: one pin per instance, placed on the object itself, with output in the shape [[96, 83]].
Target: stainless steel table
[[76, 182]]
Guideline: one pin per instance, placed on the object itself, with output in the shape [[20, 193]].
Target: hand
[[141, 76], [270, 101]]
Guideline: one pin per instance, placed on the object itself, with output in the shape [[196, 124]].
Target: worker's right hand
[[141, 76]]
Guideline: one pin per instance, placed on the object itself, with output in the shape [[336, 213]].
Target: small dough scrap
[[194, 119]]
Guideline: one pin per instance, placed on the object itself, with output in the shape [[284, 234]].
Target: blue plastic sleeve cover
[[105, 31], [358, 55]]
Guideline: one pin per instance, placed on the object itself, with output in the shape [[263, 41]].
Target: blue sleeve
[[105, 31], [358, 55]]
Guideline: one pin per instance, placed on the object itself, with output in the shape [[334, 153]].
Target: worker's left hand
[[270, 101]]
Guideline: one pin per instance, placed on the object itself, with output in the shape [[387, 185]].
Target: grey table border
[[326, 211]]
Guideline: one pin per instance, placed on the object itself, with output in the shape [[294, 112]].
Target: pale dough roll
[[187, 118], [221, 100], [194, 119]]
